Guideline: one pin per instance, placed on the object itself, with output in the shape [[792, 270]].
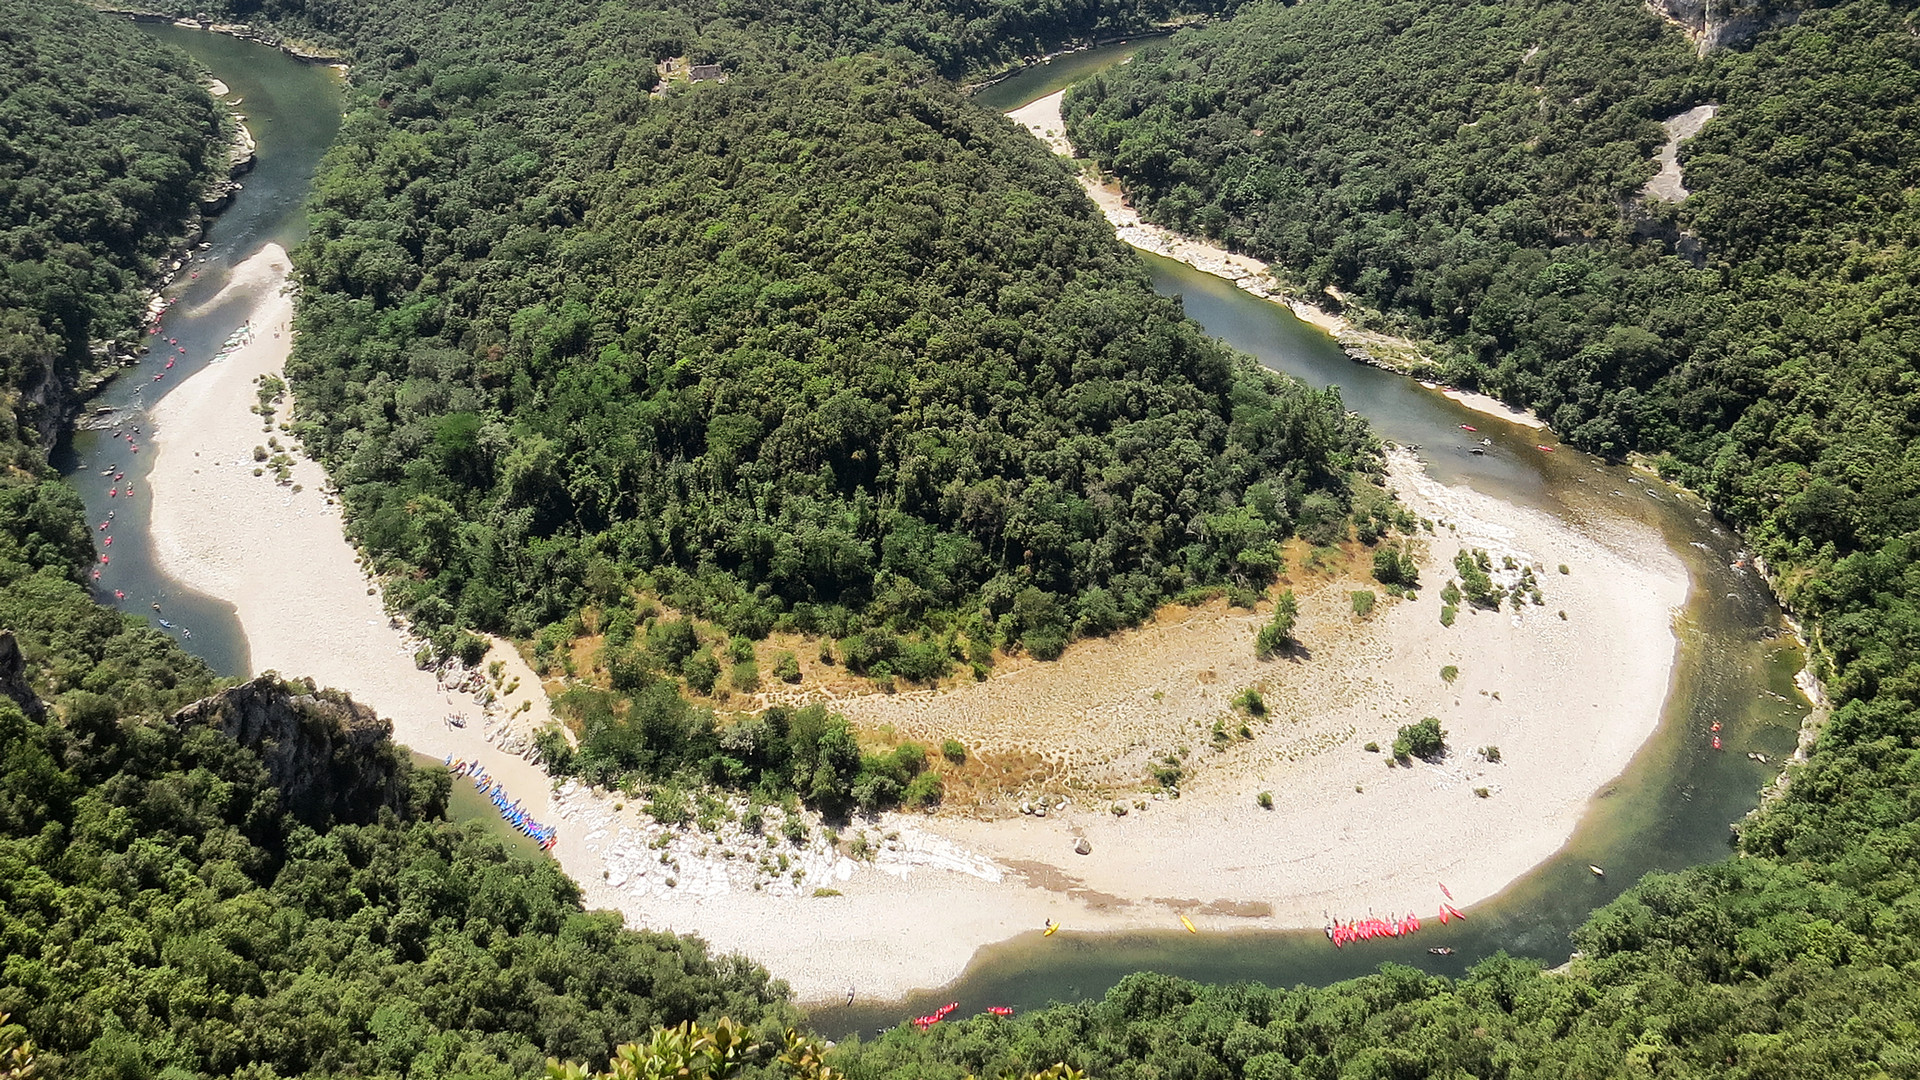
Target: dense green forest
[[105, 147], [958, 37], [167, 912], [832, 350], [164, 907]]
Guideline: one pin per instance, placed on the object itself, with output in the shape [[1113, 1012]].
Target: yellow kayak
[[1188, 923], [1048, 932]]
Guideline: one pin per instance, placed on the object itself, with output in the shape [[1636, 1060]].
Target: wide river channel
[[1670, 809]]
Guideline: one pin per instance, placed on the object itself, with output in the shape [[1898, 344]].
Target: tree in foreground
[[701, 1053]]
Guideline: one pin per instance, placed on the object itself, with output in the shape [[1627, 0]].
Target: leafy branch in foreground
[[723, 1050]]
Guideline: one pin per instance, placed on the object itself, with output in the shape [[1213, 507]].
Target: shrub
[[1482, 792], [1447, 613], [1265, 799], [1363, 601], [672, 641], [1277, 634], [470, 647], [1474, 580], [823, 892], [668, 806], [923, 661], [745, 676], [1425, 739], [924, 790], [786, 667], [1564, 570], [1449, 673], [1372, 747], [701, 671], [1251, 701], [953, 751], [1394, 566], [1491, 753], [629, 670]]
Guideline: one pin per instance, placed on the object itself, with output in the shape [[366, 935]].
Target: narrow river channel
[[1670, 809]]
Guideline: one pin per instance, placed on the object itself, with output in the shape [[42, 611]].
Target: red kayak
[[1468, 427]]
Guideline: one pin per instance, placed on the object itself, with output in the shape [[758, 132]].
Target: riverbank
[[1042, 117], [1566, 700], [277, 551]]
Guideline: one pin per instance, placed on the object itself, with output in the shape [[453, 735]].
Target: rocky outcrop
[[13, 677], [1716, 24], [333, 760], [241, 155]]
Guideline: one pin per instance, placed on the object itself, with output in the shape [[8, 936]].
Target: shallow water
[[293, 110], [1059, 73]]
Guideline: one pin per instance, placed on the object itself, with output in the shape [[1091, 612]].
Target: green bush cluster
[[657, 737], [1423, 739]]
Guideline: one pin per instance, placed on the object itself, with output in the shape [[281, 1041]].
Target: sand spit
[[1566, 701], [279, 554]]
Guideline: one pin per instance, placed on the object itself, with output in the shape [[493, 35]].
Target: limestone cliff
[[13, 677], [332, 759], [1715, 24]]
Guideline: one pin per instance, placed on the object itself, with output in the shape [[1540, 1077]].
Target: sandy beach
[[1567, 701], [279, 555]]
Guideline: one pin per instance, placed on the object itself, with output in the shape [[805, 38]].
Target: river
[[1670, 809]]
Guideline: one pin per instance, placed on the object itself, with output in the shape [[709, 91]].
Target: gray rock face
[[332, 759], [13, 677], [1716, 24]]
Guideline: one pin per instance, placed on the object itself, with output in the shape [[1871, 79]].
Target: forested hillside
[[579, 321], [958, 37], [829, 349], [105, 146], [1783, 384], [163, 907]]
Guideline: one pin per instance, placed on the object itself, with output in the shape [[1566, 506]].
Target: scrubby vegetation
[[1423, 739]]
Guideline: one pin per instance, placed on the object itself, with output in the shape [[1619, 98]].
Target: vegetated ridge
[[105, 149]]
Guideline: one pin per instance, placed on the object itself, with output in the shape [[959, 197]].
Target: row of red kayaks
[[944, 1011], [1343, 933]]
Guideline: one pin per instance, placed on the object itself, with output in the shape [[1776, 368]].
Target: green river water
[[1670, 809]]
